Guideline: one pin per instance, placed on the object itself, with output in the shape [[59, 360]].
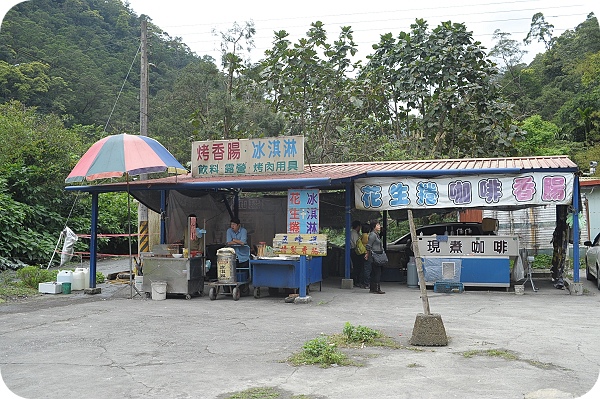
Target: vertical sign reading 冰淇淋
[[248, 156], [303, 211]]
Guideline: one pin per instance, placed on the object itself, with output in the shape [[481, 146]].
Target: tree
[[541, 139], [308, 84], [232, 42], [540, 30], [507, 50], [443, 77]]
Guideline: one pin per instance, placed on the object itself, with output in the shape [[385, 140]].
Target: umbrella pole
[[129, 237]]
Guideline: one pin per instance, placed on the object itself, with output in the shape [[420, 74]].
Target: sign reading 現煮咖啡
[[468, 246], [248, 156]]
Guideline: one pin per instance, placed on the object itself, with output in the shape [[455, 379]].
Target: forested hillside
[[70, 71]]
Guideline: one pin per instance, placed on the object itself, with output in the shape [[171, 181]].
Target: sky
[[195, 21]]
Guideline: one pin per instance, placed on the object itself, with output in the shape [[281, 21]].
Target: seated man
[[237, 237]]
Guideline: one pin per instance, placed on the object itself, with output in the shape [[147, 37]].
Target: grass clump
[[320, 351], [11, 288], [504, 354], [326, 350], [360, 334], [256, 393], [264, 393]]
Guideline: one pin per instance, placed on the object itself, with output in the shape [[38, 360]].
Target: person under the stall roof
[[358, 254], [237, 237]]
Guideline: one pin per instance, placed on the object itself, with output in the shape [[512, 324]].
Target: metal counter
[[182, 275], [280, 272]]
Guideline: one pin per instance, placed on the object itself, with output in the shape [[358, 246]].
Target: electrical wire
[[122, 86]]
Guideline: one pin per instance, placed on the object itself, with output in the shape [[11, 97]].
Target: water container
[[226, 265], [412, 277], [86, 276], [65, 276], [139, 283], [78, 282]]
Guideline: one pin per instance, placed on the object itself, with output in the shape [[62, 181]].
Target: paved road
[[110, 346]]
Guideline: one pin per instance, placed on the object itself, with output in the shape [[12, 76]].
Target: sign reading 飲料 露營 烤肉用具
[[300, 244], [536, 188], [248, 156]]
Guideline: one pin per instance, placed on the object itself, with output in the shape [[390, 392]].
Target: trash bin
[[226, 265], [66, 288], [412, 278]]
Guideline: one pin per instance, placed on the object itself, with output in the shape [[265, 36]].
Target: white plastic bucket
[[86, 276], [159, 290], [139, 282], [78, 280], [519, 289]]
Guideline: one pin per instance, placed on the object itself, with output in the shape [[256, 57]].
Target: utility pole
[[143, 238], [144, 81]]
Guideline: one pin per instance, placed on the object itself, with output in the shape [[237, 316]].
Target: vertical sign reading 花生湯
[[248, 156], [303, 211]]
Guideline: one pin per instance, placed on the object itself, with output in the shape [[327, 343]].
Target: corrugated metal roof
[[336, 175], [589, 181]]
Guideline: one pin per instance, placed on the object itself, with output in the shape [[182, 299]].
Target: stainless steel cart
[[183, 275]]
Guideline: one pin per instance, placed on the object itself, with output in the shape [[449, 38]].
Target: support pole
[[347, 282], [429, 328], [419, 263], [94, 240], [576, 232]]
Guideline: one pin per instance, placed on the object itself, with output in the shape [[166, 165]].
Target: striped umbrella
[[113, 156]]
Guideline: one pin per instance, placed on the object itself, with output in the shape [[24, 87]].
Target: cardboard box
[[490, 224], [51, 287]]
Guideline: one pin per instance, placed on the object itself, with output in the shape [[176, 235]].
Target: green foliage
[[11, 288], [31, 276], [360, 334], [542, 261], [541, 138]]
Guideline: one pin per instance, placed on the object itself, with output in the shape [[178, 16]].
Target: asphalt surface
[[543, 344]]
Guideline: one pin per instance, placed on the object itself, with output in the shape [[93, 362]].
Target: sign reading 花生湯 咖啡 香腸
[[300, 244], [248, 156], [534, 188], [303, 211]]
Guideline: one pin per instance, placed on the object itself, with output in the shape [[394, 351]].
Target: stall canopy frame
[[337, 176]]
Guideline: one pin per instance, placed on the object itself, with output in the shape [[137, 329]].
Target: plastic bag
[[68, 246]]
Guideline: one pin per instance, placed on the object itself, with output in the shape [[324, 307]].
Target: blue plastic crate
[[447, 287]]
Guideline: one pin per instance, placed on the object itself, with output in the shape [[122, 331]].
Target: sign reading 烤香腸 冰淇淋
[[248, 156]]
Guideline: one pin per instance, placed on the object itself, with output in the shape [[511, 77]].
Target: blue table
[[280, 272]]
